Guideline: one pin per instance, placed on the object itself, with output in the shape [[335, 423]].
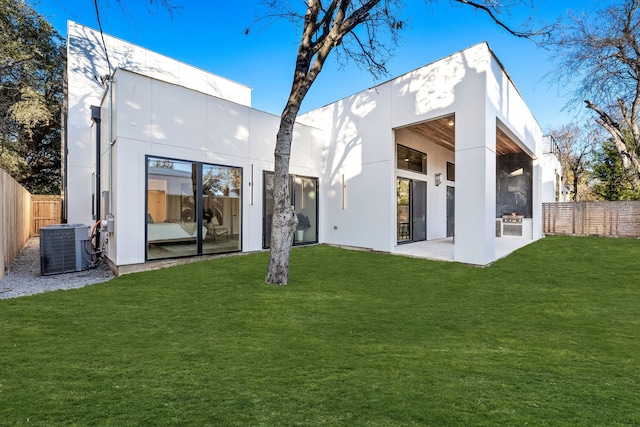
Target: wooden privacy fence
[[21, 216], [15, 219], [611, 219], [45, 210]]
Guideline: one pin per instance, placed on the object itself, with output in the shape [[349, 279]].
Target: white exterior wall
[[154, 118], [518, 122], [358, 206], [86, 63], [470, 84], [551, 172], [361, 147], [159, 107]]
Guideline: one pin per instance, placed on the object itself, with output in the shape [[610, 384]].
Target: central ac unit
[[64, 248]]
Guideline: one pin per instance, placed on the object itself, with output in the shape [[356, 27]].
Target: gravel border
[[23, 277]]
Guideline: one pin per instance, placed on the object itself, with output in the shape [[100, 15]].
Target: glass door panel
[[419, 211], [304, 199], [267, 208], [303, 194], [172, 225], [451, 210], [220, 209], [403, 209]]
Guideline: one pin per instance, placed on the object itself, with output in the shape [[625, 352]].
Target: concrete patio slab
[[443, 249]]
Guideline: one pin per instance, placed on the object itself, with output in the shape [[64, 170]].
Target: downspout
[[95, 117], [110, 148], [64, 192]]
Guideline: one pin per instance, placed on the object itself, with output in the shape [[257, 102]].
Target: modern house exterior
[[178, 164]]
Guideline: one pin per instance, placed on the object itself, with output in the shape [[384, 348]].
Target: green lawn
[[548, 336]]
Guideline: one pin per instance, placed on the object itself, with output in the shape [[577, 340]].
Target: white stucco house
[[178, 164]]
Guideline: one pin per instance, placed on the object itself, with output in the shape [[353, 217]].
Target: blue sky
[[209, 34]]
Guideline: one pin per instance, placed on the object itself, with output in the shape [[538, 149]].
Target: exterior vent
[[64, 248]]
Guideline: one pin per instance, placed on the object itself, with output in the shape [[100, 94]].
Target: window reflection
[[179, 221], [221, 208], [410, 159], [304, 198], [171, 224]]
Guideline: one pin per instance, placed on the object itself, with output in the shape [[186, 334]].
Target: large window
[[192, 208], [304, 200], [514, 185], [410, 159]]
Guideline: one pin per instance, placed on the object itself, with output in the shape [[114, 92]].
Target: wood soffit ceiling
[[442, 132]]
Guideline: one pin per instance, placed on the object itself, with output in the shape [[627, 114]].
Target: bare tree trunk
[[576, 182], [284, 217], [309, 63]]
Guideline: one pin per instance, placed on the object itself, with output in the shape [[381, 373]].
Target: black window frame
[[451, 172], [266, 244], [198, 205], [407, 156]]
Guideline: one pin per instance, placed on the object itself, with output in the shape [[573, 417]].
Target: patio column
[[475, 183]]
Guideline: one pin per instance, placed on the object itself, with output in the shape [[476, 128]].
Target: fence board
[[612, 219]]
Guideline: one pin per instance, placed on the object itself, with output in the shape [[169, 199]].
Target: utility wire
[[104, 45]]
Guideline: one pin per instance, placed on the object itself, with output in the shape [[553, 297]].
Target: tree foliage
[[599, 58], [31, 82], [609, 179]]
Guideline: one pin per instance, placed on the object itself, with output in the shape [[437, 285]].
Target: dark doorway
[[451, 210], [419, 211]]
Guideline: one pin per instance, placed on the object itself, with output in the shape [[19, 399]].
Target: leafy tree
[[599, 58], [575, 146], [610, 181], [31, 81]]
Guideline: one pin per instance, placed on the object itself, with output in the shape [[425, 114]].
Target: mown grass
[[548, 336]]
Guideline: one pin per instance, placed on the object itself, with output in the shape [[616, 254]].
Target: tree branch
[[11, 64], [545, 31]]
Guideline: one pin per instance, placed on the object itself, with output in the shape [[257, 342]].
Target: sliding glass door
[[419, 210], [303, 193], [221, 208], [411, 210], [192, 208]]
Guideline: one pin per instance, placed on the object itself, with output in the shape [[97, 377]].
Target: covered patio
[[507, 186]]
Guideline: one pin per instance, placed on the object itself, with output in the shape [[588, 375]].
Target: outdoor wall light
[[438, 179]]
